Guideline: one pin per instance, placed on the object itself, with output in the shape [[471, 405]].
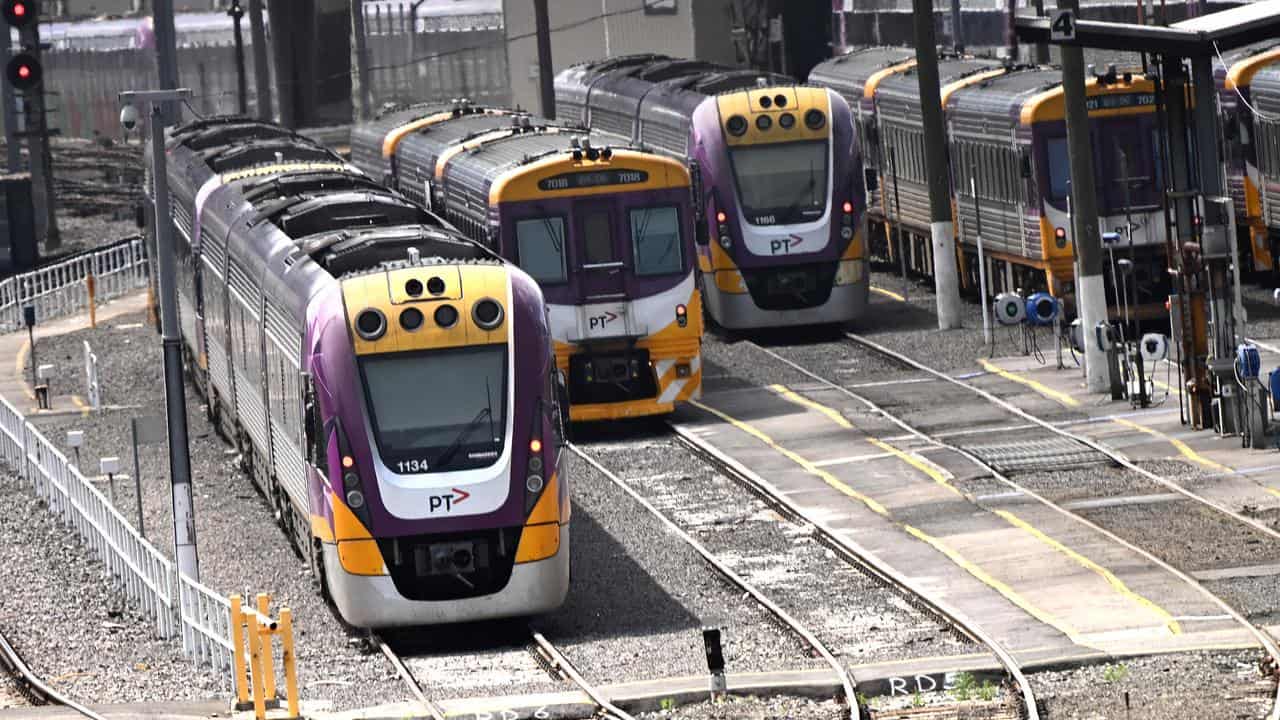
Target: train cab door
[[602, 270]]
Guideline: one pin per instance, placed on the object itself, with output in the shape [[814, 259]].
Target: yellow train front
[[607, 232]]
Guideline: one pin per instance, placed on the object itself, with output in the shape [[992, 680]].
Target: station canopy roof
[[1204, 35]]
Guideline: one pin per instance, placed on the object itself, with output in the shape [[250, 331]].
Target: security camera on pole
[[158, 104]]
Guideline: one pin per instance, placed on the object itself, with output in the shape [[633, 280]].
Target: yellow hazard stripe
[[1048, 392], [1115, 582], [940, 476], [1182, 447]]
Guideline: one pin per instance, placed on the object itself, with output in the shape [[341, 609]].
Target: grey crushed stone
[[1161, 687], [752, 708], [56, 609], [860, 620], [241, 548]]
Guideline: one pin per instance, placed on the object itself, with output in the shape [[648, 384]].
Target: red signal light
[[24, 72], [20, 13], [848, 208]]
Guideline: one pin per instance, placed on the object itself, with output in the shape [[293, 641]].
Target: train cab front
[[607, 233], [783, 242], [441, 497]]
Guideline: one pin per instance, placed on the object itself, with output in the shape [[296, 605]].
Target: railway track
[[31, 687], [850, 551], [856, 709], [545, 653], [1263, 638]]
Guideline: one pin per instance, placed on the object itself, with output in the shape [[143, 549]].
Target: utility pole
[[1041, 56], [546, 73], [166, 55], [957, 30], [242, 82], [283, 14], [1091, 289], [184, 522], [11, 136], [361, 46], [40, 158], [946, 277], [261, 68]]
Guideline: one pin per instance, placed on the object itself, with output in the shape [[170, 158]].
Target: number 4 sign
[[1063, 26]]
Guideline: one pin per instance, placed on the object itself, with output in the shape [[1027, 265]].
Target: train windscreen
[[781, 183], [541, 249], [655, 237], [438, 410]]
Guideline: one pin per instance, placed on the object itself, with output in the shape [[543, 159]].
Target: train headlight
[[1060, 237], [846, 233], [736, 125], [411, 319], [815, 119], [351, 481], [786, 121], [371, 324], [763, 123], [487, 313], [535, 464], [446, 316], [533, 484], [726, 242], [682, 315], [413, 287], [355, 499]]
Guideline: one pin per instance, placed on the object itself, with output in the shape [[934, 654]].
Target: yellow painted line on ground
[[81, 404], [941, 477], [18, 362], [1041, 388], [1182, 447], [888, 293], [1116, 583], [952, 554], [809, 467], [987, 579], [938, 474], [1271, 490]]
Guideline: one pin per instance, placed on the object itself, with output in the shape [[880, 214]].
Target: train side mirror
[[872, 179]]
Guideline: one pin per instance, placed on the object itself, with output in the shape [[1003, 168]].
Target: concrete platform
[[1048, 587]]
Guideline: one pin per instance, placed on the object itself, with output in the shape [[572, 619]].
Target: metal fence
[[422, 59], [62, 288], [172, 603]]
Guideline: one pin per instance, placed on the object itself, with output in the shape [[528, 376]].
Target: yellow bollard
[[255, 667], [287, 658], [91, 285], [237, 655], [268, 662]]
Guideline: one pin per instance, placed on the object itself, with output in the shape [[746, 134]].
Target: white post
[[982, 263]]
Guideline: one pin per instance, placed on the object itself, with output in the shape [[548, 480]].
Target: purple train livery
[[777, 172], [607, 231], [390, 383]]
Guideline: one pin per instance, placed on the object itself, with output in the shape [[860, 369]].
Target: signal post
[[24, 75]]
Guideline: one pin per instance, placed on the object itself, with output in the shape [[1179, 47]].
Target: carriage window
[[541, 249], [655, 236], [1059, 168], [597, 237]]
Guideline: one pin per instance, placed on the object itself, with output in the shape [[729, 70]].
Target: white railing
[[173, 603], [63, 288]]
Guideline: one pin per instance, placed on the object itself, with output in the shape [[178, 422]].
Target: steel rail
[[34, 685], [1264, 638], [846, 681], [566, 667], [863, 557], [405, 674]]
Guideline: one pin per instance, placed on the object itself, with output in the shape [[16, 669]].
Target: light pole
[[158, 104]]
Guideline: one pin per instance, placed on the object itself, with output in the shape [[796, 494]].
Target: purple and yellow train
[[777, 173], [391, 384], [606, 231]]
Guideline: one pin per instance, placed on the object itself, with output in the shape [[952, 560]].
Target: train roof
[[905, 85], [1241, 65], [1265, 90], [849, 74]]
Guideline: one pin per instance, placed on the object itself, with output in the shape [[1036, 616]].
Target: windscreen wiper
[[453, 448]]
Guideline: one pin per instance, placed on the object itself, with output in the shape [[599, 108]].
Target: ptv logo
[[597, 322], [436, 502], [784, 245]]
